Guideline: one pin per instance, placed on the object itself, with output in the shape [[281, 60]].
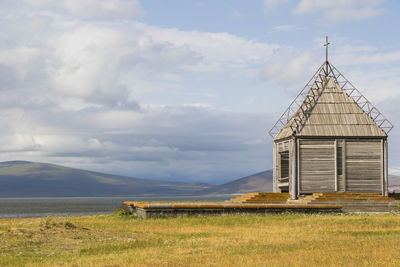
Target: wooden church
[[330, 139]]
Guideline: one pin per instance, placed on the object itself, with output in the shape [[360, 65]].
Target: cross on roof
[[326, 55], [326, 45]]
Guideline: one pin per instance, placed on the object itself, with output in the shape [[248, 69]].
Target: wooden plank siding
[[385, 167], [316, 166], [277, 167], [274, 189], [364, 166], [293, 167], [343, 188], [280, 170], [340, 178]]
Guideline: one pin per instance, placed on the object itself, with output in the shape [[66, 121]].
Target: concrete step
[[262, 198]]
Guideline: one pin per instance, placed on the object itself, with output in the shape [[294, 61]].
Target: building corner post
[[274, 189], [293, 189], [386, 170]]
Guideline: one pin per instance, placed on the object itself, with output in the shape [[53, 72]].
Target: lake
[[63, 206]]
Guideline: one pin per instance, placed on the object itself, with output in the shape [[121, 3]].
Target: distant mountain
[[263, 182], [394, 183], [259, 182], [31, 179]]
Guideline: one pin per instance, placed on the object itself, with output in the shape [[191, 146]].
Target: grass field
[[284, 240]]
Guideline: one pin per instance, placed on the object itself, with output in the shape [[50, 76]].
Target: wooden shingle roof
[[331, 109]]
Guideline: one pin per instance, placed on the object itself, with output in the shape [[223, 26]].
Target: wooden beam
[[298, 165], [293, 160], [336, 162], [274, 169], [383, 167], [344, 165], [386, 168]]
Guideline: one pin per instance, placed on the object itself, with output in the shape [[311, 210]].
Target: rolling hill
[[263, 182], [31, 179], [394, 183], [259, 182]]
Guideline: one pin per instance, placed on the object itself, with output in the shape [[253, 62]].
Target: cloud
[[290, 69], [235, 15], [216, 50], [91, 91], [340, 10], [353, 54], [96, 91], [274, 3], [188, 142], [94, 9], [109, 63], [286, 27], [337, 11]]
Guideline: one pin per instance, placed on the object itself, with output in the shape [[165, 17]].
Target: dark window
[[339, 160], [284, 164]]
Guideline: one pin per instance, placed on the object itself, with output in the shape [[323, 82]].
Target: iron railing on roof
[[301, 106]]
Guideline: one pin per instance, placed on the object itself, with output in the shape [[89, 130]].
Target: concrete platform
[[157, 210]]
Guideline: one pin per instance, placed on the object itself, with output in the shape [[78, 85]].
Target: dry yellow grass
[[284, 240]]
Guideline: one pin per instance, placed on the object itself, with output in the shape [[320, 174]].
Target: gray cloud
[[183, 142]]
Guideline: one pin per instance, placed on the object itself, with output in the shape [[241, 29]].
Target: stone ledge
[[156, 210]]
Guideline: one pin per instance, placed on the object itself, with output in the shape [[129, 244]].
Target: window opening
[[339, 160], [284, 164]]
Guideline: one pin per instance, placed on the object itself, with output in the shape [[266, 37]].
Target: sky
[[180, 90]]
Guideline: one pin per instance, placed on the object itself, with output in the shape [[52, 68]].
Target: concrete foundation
[[158, 210]]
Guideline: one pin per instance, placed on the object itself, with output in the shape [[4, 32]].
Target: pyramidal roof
[[330, 106]]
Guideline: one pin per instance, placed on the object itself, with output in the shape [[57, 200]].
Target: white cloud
[[372, 70], [340, 10], [286, 27], [290, 69], [235, 14], [105, 9], [274, 3], [89, 62], [350, 55], [216, 50], [70, 88]]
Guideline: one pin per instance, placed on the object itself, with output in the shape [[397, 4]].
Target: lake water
[[42, 207]]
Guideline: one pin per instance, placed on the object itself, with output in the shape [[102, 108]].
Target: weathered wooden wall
[[275, 171], [316, 166], [363, 165], [280, 147], [364, 171]]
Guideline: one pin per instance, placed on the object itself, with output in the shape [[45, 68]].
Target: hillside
[[394, 183], [259, 182], [263, 182], [31, 179]]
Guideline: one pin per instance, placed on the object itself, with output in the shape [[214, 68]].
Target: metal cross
[[326, 55], [326, 45]]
